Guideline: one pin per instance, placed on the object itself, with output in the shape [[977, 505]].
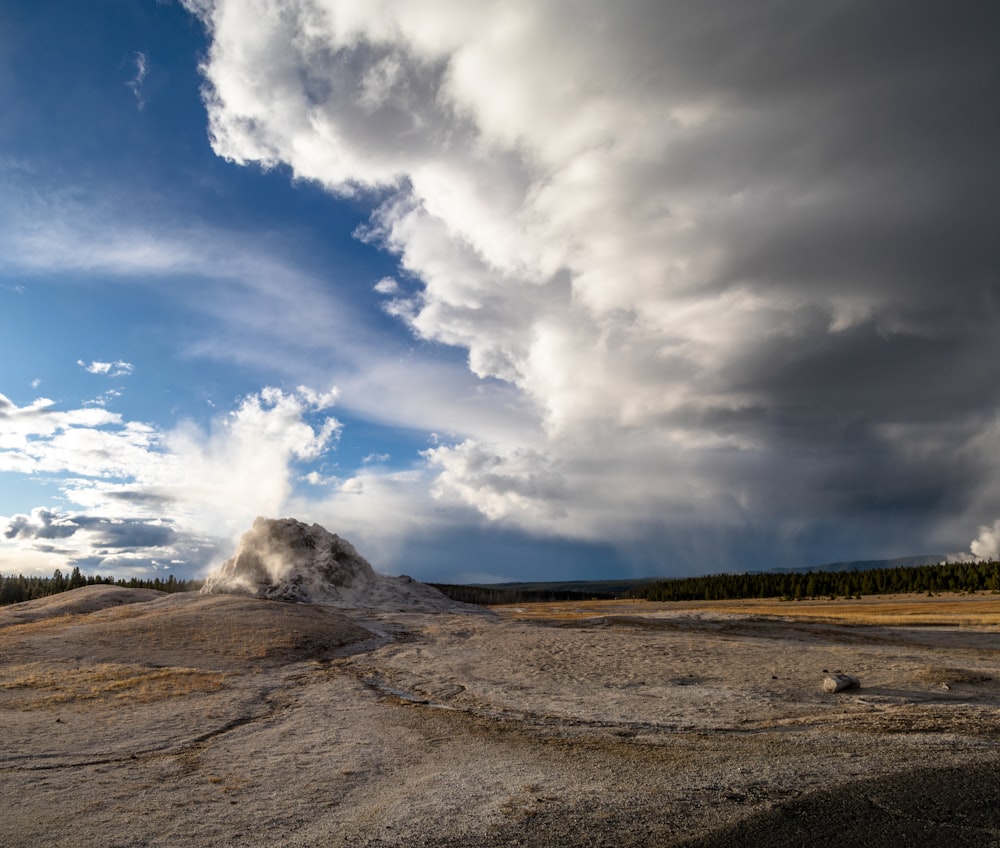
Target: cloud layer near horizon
[[740, 258]]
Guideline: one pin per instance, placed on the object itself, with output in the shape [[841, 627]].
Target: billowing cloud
[[153, 497], [41, 524], [739, 260], [92, 442]]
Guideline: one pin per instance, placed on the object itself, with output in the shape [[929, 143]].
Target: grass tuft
[[42, 684]]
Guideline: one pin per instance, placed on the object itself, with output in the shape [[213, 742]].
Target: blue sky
[[498, 292]]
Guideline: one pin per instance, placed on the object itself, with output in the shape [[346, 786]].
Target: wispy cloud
[[140, 63], [118, 368], [104, 398], [266, 310]]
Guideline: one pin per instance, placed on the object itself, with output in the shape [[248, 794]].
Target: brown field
[[148, 720], [972, 610]]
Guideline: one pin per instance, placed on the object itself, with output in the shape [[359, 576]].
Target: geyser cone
[[287, 560]]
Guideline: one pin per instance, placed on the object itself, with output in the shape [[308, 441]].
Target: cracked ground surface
[[205, 721]]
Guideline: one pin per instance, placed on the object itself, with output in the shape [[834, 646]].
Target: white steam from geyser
[[286, 560], [986, 546]]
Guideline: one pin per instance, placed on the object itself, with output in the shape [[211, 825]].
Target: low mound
[[76, 602], [184, 630], [287, 560]]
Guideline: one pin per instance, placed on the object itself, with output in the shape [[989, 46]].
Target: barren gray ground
[[208, 721]]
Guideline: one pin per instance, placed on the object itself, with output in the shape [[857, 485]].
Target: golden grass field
[[973, 610]]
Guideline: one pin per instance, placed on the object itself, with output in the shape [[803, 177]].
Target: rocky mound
[[286, 560]]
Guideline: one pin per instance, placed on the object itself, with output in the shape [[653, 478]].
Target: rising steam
[[985, 547]]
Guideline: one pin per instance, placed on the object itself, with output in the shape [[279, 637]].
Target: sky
[[499, 290]]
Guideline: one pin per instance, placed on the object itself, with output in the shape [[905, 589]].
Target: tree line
[[898, 580], [930, 579], [495, 595], [14, 590]]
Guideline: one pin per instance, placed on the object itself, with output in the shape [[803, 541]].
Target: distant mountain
[[862, 565]]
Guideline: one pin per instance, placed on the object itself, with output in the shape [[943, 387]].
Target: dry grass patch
[[576, 610], [914, 610], [208, 637], [899, 610], [20, 629], [942, 675], [39, 684]]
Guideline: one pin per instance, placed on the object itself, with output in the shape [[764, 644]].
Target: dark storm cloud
[[41, 524], [146, 499], [863, 137], [866, 160], [132, 533], [187, 557], [129, 533]]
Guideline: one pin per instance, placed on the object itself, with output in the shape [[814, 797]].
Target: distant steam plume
[[986, 546]]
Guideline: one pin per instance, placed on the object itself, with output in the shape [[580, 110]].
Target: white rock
[[839, 682]]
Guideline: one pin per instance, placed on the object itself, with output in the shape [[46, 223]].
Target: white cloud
[[521, 486], [104, 398], [387, 286], [383, 513], [314, 478], [119, 368], [90, 442]]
